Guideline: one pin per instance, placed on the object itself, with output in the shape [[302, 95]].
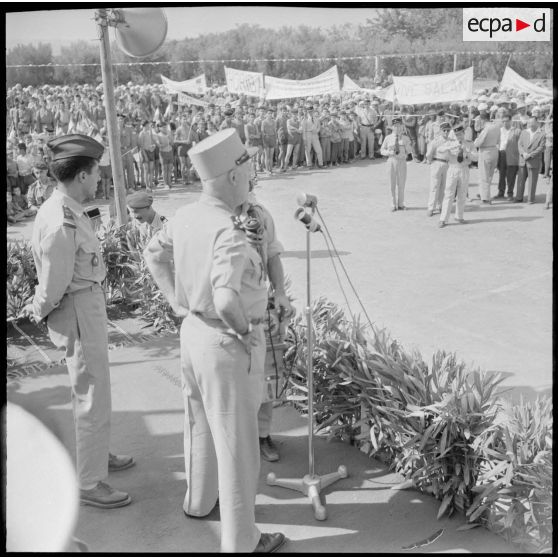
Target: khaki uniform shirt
[[66, 251], [388, 147], [209, 253]]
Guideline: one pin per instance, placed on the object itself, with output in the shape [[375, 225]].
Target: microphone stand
[[311, 484]]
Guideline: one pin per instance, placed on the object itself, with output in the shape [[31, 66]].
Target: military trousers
[[438, 172], [222, 389], [457, 184], [488, 160], [397, 178], [79, 326]]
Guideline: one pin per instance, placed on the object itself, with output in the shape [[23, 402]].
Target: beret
[[482, 106], [229, 112], [75, 145], [459, 128], [21, 146], [445, 126], [397, 120], [139, 200]]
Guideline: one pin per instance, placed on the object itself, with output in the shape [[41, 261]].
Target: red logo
[[519, 25]]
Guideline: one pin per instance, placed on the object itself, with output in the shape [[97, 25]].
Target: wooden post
[[112, 125], [455, 62]]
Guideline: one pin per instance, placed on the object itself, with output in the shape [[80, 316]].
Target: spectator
[[25, 162], [41, 189]]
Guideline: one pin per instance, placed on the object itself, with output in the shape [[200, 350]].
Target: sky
[[60, 27]]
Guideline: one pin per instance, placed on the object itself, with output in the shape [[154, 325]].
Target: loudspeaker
[[140, 31]]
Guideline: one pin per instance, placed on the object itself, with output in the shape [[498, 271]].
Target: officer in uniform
[[260, 232], [213, 278], [438, 161], [487, 143], [70, 270], [396, 147], [460, 155], [141, 210]]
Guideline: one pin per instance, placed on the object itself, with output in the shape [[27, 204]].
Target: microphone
[[307, 220], [307, 200]]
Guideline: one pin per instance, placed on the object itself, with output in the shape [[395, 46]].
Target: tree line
[[389, 32]]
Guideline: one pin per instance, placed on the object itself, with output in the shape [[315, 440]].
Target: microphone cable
[[344, 269]]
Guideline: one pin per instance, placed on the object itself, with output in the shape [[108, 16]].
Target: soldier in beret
[[69, 296], [215, 280]]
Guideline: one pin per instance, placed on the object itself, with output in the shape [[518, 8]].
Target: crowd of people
[[325, 131]]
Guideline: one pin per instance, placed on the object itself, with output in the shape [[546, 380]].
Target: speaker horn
[[140, 32]]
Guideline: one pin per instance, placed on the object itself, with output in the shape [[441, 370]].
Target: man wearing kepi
[[212, 277], [396, 147], [70, 270], [460, 156]]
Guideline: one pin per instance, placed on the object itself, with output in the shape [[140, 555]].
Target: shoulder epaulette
[[69, 219]]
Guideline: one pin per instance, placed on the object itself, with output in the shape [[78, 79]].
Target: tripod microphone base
[[311, 485]]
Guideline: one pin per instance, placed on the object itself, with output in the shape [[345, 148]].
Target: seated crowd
[[156, 132]]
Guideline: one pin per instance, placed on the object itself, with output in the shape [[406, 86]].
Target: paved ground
[[482, 289], [364, 513]]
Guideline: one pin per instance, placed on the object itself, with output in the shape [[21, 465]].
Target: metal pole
[[112, 126], [309, 372], [455, 62]]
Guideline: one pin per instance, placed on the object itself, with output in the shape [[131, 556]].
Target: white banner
[[195, 85], [512, 80], [349, 84], [387, 93], [437, 88], [248, 83], [277, 88], [184, 99]]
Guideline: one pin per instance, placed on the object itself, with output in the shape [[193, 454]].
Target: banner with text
[[512, 80], [195, 85], [248, 83], [437, 88], [184, 99], [277, 88]]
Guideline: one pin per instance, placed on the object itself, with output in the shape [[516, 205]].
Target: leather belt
[[91, 288], [438, 159], [217, 322]]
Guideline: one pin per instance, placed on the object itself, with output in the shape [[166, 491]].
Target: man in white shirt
[[367, 120]]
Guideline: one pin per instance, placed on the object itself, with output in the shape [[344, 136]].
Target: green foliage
[[515, 487], [128, 281], [442, 426], [21, 278]]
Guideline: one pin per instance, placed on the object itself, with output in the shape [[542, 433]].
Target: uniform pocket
[[87, 259]]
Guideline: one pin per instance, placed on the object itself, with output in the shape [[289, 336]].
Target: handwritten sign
[[437, 88], [277, 88], [248, 83]]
